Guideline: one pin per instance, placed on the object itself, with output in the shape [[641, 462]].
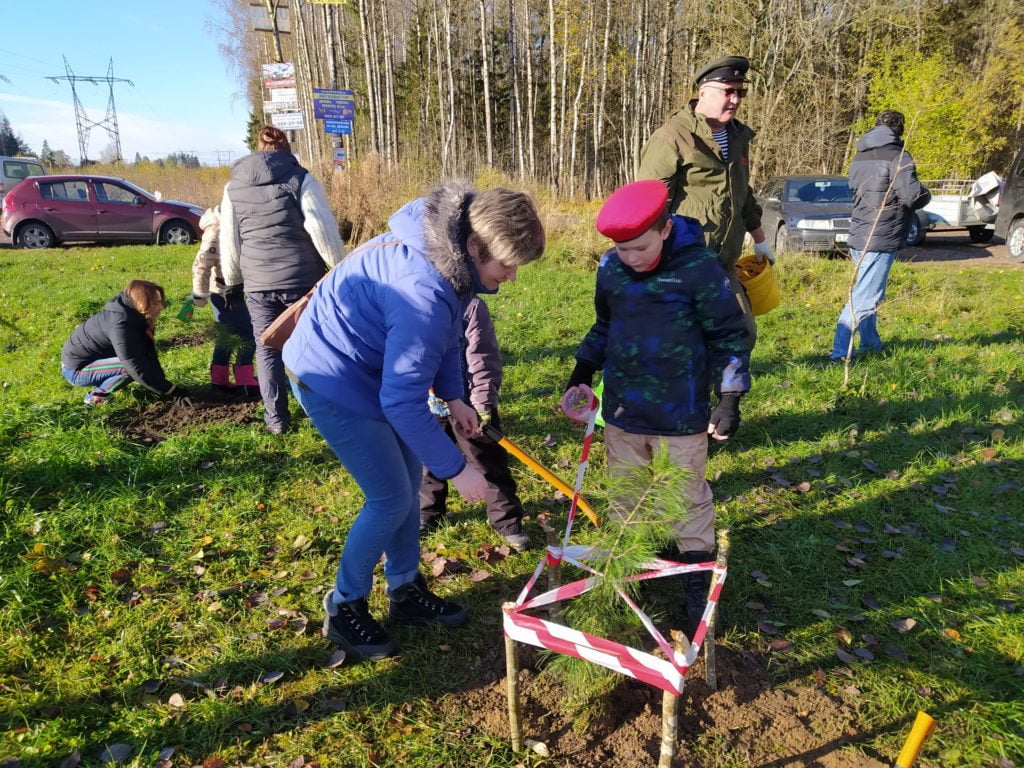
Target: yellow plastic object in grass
[[923, 727], [757, 278]]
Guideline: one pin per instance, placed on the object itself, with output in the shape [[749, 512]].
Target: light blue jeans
[[868, 292], [388, 474]]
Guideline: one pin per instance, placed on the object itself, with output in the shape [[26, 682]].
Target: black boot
[[695, 590], [350, 626], [414, 603]]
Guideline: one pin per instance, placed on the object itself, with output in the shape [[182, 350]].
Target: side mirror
[[138, 201]]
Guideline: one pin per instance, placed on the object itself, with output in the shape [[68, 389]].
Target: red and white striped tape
[[665, 673]]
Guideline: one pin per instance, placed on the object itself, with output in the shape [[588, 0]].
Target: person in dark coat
[[668, 332], [278, 237], [886, 192], [115, 346], [483, 374]]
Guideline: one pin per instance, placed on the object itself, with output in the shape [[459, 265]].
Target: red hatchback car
[[42, 211]]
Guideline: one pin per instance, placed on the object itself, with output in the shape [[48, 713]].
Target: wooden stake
[[669, 724], [709, 639], [512, 672], [554, 571]]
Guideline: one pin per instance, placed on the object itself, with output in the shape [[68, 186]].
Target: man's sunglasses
[[741, 92]]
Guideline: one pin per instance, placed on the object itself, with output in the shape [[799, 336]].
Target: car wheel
[[915, 232], [782, 240], [1015, 240], [35, 234], [176, 232], [980, 234]]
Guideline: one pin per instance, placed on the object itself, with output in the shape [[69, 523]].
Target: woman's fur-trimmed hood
[[442, 218]]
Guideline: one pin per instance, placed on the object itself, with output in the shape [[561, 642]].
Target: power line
[[82, 121]]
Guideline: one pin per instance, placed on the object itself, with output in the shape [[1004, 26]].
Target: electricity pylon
[[82, 121]]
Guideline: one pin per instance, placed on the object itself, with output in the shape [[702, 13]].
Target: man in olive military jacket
[[701, 155]]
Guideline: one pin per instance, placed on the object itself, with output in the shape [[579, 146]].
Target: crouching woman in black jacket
[[116, 345]]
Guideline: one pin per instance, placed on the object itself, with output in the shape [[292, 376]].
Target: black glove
[[725, 419], [233, 296], [583, 373]]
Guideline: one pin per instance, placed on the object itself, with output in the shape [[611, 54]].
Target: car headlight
[[815, 224], [195, 210]]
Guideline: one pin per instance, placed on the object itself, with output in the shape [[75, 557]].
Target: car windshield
[[818, 191]]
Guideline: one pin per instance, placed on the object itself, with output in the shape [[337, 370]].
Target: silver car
[[807, 213]]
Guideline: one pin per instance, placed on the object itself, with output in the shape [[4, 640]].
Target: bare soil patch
[[154, 422], [748, 721]]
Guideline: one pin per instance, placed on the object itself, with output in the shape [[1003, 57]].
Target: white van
[[14, 169]]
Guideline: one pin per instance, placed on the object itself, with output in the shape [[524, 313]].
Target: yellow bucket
[[759, 282]]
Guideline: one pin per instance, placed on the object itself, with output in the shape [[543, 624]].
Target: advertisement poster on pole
[[338, 127], [278, 75], [333, 104], [287, 121]]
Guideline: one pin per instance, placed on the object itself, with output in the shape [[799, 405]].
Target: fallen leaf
[[851, 582], [271, 677], [333, 705], [979, 581], [864, 653], [819, 677], [549, 441], [479, 575], [116, 753], [121, 576], [300, 542], [821, 613], [951, 633], [176, 700], [780, 644], [206, 464], [296, 706], [843, 635], [845, 657], [904, 625], [297, 762], [870, 602], [768, 629], [539, 747], [754, 605], [214, 762], [244, 727]]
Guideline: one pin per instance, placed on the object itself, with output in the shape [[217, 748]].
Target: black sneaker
[[413, 603], [350, 626]]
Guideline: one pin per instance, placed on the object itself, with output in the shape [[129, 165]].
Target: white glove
[[764, 251]]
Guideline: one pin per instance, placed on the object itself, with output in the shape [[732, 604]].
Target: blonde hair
[[271, 138], [507, 226], [143, 296]]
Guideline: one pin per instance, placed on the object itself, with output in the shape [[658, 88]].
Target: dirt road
[[955, 248]]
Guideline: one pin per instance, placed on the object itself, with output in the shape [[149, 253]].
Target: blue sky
[[184, 97]]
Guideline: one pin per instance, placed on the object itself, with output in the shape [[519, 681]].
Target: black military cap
[[727, 69]]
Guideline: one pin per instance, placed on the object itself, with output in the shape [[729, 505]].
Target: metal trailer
[[953, 206]]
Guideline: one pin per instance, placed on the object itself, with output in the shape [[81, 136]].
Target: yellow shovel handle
[[544, 472], [923, 727]]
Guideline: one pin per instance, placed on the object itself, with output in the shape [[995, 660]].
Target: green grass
[[916, 469]]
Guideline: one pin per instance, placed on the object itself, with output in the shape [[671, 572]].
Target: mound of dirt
[[746, 721], [154, 422]]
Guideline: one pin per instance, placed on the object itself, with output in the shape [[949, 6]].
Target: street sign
[[342, 127], [340, 156], [333, 104], [288, 121]]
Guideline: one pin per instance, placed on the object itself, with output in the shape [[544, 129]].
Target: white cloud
[[36, 119]]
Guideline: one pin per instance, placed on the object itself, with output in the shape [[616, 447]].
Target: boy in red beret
[[668, 330]]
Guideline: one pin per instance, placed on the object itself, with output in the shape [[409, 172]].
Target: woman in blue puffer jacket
[[383, 328]]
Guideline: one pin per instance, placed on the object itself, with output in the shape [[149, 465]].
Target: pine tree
[[46, 155], [252, 130], [138, 159], [10, 142]]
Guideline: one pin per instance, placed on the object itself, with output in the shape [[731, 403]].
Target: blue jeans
[[868, 292], [105, 376], [234, 333], [388, 474], [264, 308]]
